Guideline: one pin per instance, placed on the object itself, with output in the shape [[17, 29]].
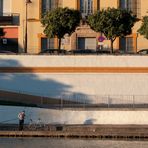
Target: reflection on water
[[68, 143]]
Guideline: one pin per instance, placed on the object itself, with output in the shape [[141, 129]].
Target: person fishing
[[21, 117]]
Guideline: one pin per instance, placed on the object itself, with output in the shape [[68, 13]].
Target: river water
[[68, 143]]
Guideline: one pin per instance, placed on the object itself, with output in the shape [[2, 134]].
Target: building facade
[[17, 24], [9, 21]]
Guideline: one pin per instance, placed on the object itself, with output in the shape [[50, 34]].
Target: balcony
[[9, 19]]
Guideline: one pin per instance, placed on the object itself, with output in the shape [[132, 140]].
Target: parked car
[[103, 52], [81, 51], [123, 52], [6, 52], [53, 51], [143, 51]]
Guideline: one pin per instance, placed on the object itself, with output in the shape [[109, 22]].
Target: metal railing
[[105, 101], [76, 100]]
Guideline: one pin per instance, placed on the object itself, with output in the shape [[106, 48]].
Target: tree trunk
[[112, 48], [59, 46]]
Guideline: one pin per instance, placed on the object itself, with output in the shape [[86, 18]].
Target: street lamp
[[25, 44]]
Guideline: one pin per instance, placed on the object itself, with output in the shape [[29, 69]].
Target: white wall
[[84, 84], [60, 61], [73, 116]]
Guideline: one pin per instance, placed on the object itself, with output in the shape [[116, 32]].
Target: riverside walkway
[[135, 132]]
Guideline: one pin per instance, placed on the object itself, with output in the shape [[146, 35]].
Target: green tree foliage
[[112, 23], [144, 27], [59, 22]]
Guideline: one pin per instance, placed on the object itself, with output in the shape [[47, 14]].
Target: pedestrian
[[21, 117]]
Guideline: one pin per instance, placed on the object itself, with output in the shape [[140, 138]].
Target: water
[[68, 143]]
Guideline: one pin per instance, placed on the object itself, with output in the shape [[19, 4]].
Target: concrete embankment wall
[[79, 75], [82, 76], [8, 114]]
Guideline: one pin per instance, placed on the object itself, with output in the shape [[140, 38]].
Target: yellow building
[[83, 38]]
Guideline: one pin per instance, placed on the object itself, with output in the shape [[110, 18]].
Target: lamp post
[[25, 44]]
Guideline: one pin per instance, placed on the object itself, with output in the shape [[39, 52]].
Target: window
[[132, 5], [126, 44], [50, 5], [86, 6], [47, 43], [5, 7]]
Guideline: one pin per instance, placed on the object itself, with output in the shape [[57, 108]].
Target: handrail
[[73, 100]]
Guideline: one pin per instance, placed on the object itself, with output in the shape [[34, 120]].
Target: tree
[[112, 23], [143, 30], [59, 22]]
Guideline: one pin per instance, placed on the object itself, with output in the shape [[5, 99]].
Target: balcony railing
[[9, 18]]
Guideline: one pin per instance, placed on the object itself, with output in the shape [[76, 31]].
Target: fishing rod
[[5, 121]]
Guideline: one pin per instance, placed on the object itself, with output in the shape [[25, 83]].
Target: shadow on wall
[[29, 82], [34, 84], [89, 121], [9, 63]]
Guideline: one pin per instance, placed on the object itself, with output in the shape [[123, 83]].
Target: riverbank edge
[[128, 132], [79, 135]]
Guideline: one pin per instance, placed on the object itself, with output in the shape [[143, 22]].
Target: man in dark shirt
[[21, 117]]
